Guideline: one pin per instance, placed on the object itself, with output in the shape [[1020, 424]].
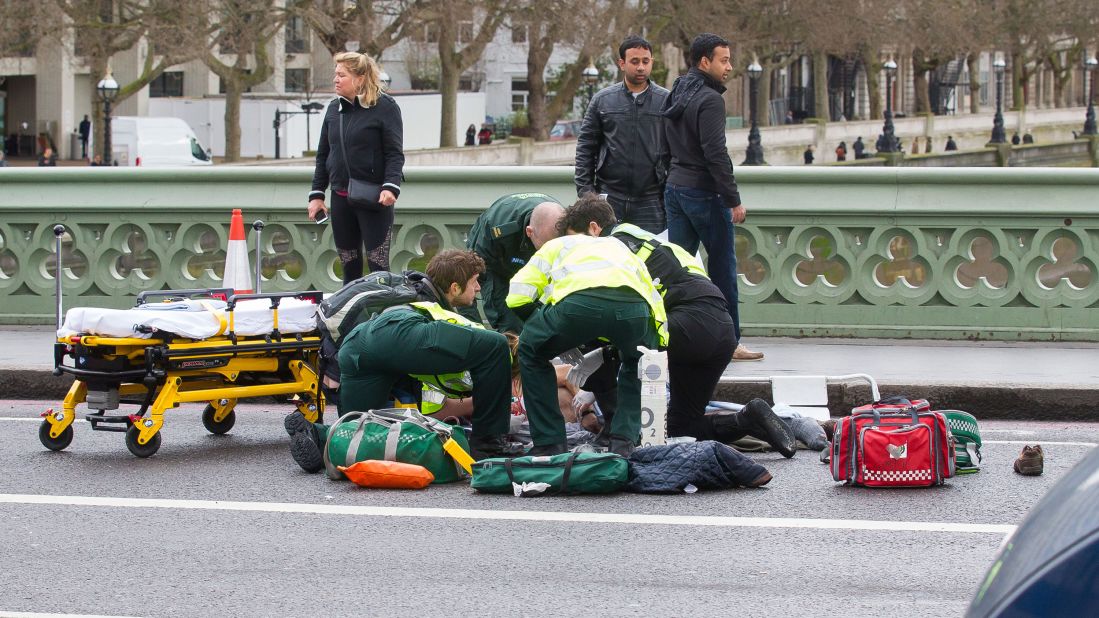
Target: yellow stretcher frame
[[170, 371]]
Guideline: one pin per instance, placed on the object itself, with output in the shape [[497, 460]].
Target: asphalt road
[[229, 525]]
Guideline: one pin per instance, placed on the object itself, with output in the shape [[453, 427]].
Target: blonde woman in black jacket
[[362, 139]]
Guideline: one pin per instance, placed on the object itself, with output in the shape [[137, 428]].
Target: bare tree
[[376, 25], [584, 25], [245, 29], [464, 28], [102, 28]]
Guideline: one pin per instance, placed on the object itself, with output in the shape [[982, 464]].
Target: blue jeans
[[695, 216]]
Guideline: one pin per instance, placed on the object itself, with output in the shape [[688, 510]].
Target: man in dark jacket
[[621, 149], [506, 235], [701, 198]]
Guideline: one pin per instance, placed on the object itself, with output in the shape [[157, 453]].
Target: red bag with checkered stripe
[[879, 448]]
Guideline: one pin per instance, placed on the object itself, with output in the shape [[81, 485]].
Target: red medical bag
[[893, 445]]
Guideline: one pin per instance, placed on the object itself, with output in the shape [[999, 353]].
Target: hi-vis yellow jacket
[[650, 243], [437, 388], [578, 262]]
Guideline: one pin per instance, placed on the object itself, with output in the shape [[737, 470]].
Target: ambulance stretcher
[[207, 345]]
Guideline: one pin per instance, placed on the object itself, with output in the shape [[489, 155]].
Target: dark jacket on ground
[[374, 144], [694, 123], [621, 148]]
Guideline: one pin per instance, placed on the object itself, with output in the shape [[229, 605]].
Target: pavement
[[229, 525], [1038, 380]]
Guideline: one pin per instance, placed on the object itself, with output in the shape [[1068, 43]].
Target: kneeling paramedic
[[434, 345], [702, 338], [574, 290]]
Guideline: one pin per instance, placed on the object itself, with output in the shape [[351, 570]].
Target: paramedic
[[361, 138], [701, 335], [574, 290], [505, 236], [428, 342]]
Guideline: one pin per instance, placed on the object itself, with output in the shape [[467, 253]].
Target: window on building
[[465, 32], [519, 92], [428, 33], [169, 84], [297, 80], [519, 33], [297, 36]]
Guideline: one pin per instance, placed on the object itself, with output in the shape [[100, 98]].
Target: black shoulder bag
[[360, 193]]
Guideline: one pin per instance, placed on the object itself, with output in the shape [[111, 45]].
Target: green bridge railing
[[941, 253]]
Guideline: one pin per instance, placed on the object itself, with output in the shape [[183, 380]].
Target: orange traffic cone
[[237, 275]]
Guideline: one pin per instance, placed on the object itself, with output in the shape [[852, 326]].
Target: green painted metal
[[980, 253]]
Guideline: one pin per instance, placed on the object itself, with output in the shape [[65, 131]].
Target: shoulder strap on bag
[[343, 149]]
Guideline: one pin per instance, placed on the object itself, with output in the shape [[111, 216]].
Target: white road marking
[[1021, 432], [1042, 442], [607, 518]]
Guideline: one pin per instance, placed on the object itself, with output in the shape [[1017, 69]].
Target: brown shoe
[[1030, 461], [742, 353], [761, 481]]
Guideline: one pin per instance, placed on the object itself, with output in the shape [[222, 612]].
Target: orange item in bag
[[388, 474]]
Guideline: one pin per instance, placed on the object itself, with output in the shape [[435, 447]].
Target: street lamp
[[591, 75], [1089, 120], [754, 155], [108, 90], [998, 135], [384, 78], [306, 108], [889, 139]]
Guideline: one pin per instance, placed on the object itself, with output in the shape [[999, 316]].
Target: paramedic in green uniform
[[574, 290], [505, 236], [427, 341]]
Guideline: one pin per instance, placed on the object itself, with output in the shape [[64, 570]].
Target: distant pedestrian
[[859, 148], [880, 144], [1028, 138], [97, 161], [927, 145], [85, 135], [841, 152], [471, 135], [484, 136], [789, 117], [47, 158], [3, 161], [951, 145], [916, 145], [1015, 141], [808, 155]]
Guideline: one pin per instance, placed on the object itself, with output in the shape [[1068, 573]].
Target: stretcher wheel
[[55, 444], [215, 427], [142, 450]]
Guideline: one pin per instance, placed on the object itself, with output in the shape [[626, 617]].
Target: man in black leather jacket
[[621, 150]]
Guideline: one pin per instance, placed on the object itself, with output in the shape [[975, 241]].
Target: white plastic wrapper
[[529, 490]]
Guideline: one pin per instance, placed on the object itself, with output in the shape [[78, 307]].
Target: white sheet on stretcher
[[194, 319]]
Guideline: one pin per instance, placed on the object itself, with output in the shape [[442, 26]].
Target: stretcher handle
[[313, 296], [218, 293]]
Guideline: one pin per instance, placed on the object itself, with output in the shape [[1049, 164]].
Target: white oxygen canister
[[652, 369]]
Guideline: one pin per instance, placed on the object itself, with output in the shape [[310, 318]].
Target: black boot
[[305, 447], [482, 447], [756, 420], [620, 446], [547, 450]]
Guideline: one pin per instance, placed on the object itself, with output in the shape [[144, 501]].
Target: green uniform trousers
[[403, 341], [626, 322]]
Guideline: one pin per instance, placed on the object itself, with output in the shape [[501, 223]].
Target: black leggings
[[354, 227], [702, 344]]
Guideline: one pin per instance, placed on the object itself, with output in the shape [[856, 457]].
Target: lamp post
[[108, 90], [306, 108], [591, 75], [889, 139], [1089, 120], [998, 135], [754, 154]]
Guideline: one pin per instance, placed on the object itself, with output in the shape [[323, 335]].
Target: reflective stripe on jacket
[[437, 388], [578, 262]]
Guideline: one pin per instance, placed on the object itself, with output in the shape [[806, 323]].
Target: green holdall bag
[[567, 473], [967, 440], [398, 434]]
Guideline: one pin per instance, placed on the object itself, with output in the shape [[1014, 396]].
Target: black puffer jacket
[[375, 146], [694, 121], [621, 148]]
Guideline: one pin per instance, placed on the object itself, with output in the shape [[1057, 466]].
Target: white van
[[145, 141]]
